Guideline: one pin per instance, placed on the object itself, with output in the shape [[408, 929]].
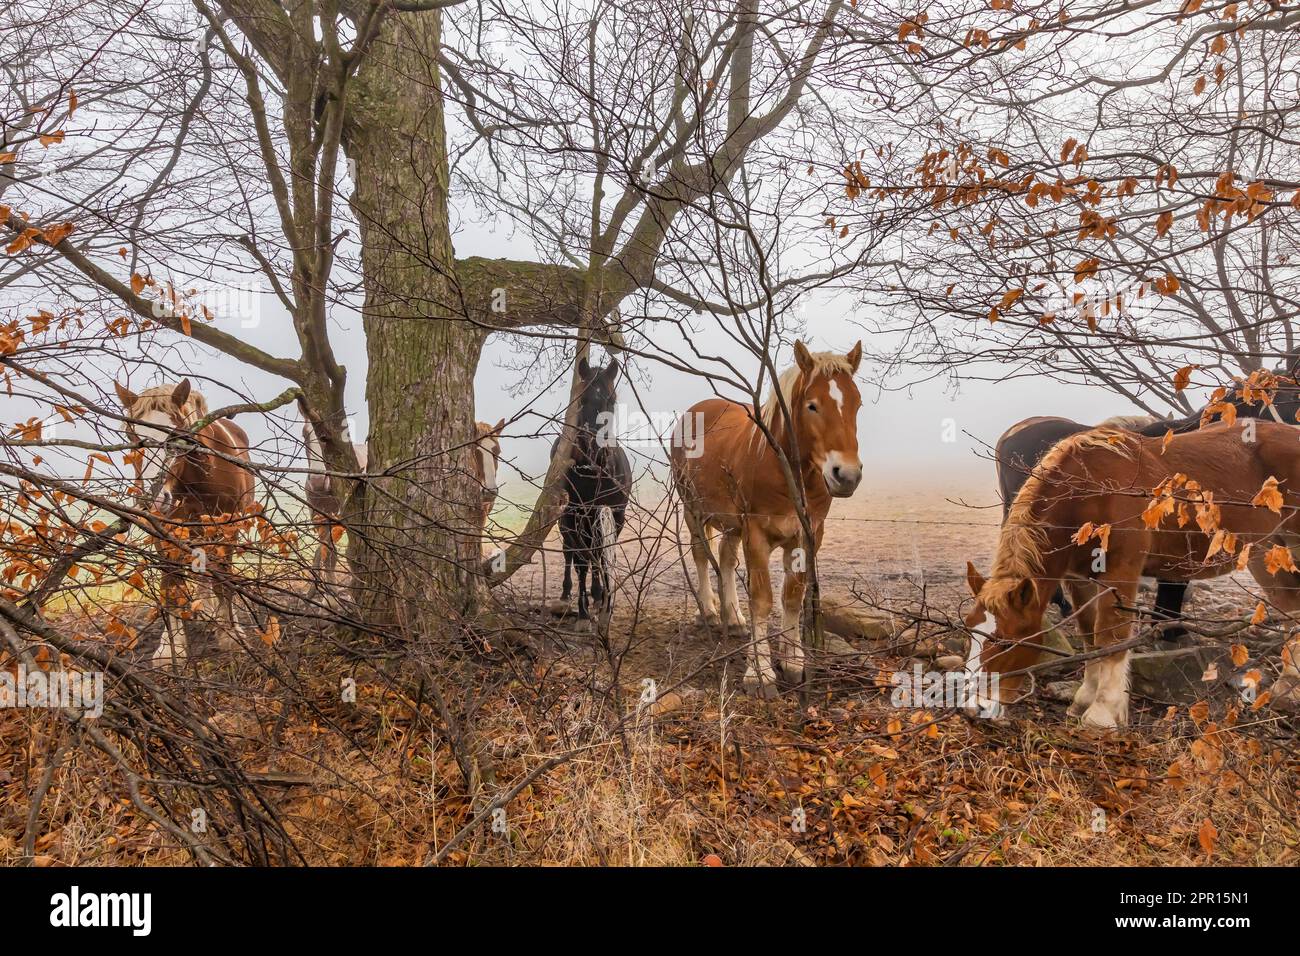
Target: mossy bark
[[415, 561]]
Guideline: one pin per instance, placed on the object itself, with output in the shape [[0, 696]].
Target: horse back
[[226, 485], [1022, 447]]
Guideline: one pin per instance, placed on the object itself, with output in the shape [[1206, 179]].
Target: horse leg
[[229, 632], [760, 677], [596, 540], [1282, 590], [326, 553], [1110, 707], [1059, 600], [567, 546], [581, 560], [171, 643], [1083, 594], [789, 646], [728, 558], [703, 556], [1169, 607]]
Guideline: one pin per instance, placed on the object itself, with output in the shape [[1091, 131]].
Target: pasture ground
[[608, 773]]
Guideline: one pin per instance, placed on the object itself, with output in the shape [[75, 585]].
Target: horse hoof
[[1077, 708], [560, 607], [792, 674], [761, 689], [709, 620], [1099, 717], [737, 629]]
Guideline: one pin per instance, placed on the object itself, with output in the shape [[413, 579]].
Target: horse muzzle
[[841, 479]]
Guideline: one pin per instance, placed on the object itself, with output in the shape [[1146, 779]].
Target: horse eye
[[812, 406]]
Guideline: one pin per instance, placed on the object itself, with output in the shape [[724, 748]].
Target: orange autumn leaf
[[1084, 534], [1175, 775], [272, 632], [1157, 510], [1163, 223], [56, 234], [1244, 558], [1269, 496], [1183, 377], [336, 532], [137, 283], [1207, 836], [1278, 558], [49, 139], [1239, 653]]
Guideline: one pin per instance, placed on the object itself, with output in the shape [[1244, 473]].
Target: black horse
[[1023, 446], [598, 484]]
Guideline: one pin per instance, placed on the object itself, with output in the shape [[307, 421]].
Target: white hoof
[[709, 619], [168, 654], [763, 688], [1099, 716], [792, 673]]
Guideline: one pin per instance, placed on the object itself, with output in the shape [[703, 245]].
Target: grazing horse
[[1136, 498], [597, 484], [194, 485], [732, 480], [1023, 445]]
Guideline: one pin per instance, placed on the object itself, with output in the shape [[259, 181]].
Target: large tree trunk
[[415, 556]]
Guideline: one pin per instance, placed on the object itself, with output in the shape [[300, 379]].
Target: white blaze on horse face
[[153, 457], [836, 395], [489, 469], [315, 454]]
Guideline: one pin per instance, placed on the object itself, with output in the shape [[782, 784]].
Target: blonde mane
[[1021, 544], [824, 363], [1128, 422], [159, 399]]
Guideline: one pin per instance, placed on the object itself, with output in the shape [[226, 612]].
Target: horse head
[[155, 415], [824, 400], [1008, 642], [488, 446], [596, 404]]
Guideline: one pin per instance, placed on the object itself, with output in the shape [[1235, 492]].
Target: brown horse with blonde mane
[[731, 480], [199, 489], [1106, 507]]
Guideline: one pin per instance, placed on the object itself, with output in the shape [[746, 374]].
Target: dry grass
[[717, 775]]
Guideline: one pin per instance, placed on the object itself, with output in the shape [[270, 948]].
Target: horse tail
[[606, 538]]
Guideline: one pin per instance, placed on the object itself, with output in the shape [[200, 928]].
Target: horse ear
[[803, 356], [584, 367], [127, 397], [1025, 593], [181, 393], [974, 579], [612, 370], [855, 356]]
